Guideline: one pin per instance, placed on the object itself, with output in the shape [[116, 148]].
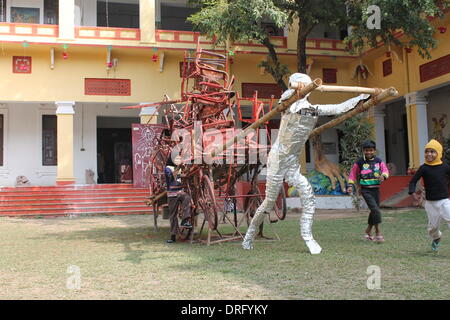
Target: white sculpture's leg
[[273, 184], [296, 179]]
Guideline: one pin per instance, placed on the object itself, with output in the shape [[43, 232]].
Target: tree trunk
[[303, 31], [301, 49], [273, 57]]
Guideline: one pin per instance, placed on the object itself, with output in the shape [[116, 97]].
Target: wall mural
[[144, 142], [439, 125], [25, 15]]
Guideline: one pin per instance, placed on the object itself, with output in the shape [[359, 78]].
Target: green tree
[[353, 131], [408, 17], [241, 20], [231, 20], [237, 20]]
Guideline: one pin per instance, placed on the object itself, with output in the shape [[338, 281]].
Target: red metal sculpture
[[206, 112]]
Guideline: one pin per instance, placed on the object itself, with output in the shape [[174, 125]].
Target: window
[[49, 135], [118, 14], [2, 10], [387, 67], [1, 139], [435, 68], [107, 87], [25, 15], [173, 17], [51, 8], [329, 75], [265, 90]]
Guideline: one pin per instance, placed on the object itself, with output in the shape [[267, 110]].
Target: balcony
[[9, 31], [49, 34], [103, 33], [186, 39]]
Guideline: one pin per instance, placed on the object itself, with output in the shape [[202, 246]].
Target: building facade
[[68, 66]]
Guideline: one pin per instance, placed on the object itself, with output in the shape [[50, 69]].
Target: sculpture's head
[[299, 77], [299, 80]]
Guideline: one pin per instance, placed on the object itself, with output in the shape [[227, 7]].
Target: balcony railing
[[182, 37], [192, 38], [26, 29], [108, 33], [164, 38], [325, 44]]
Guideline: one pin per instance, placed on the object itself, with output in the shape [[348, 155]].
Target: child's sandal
[[368, 237], [379, 239]]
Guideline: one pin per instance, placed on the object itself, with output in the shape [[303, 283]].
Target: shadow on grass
[[285, 268], [129, 238]]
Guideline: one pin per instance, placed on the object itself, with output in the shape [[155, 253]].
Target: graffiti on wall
[[144, 142]]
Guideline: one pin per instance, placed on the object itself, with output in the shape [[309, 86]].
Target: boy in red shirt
[[370, 170]]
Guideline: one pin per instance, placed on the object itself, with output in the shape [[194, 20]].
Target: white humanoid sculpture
[[283, 162]]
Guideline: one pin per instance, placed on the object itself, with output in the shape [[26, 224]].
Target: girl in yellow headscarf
[[437, 205]]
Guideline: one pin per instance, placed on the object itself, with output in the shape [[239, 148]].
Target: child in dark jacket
[[437, 205], [176, 197], [370, 170]]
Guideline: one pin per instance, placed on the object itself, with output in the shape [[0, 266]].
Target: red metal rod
[[242, 195], [151, 104]]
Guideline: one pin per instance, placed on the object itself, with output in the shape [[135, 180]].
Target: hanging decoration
[[109, 63], [161, 62], [231, 56], [65, 54], [361, 71], [393, 53], [388, 52], [309, 63], [22, 64], [155, 55], [442, 29], [52, 58]]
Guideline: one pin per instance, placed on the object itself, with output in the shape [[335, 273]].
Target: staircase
[[394, 193], [77, 200]]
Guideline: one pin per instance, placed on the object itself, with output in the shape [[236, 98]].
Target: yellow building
[[68, 66]]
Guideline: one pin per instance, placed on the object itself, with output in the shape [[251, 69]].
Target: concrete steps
[[77, 200]]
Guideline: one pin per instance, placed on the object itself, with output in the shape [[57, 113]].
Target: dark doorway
[[396, 137], [113, 148]]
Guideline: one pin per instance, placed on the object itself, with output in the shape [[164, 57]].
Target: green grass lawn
[[117, 261]]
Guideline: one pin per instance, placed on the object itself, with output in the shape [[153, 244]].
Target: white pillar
[[419, 100], [65, 154], [66, 19], [379, 115], [147, 16], [421, 104], [65, 107]]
